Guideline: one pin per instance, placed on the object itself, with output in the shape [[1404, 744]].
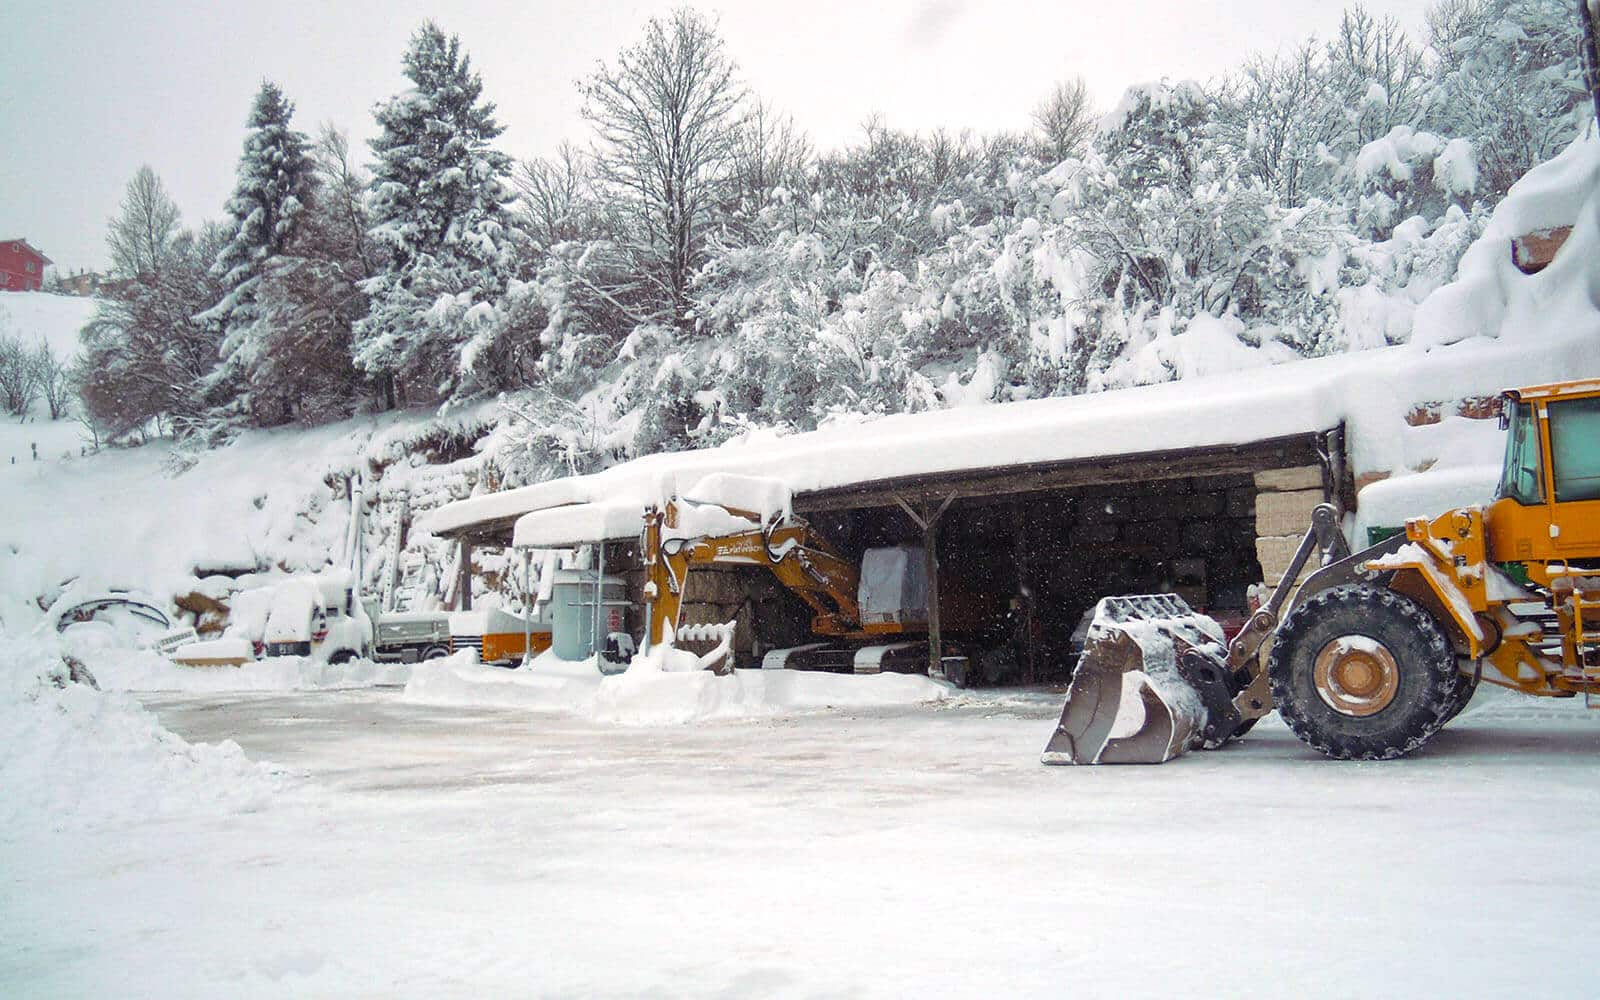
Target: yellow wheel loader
[[1380, 648]]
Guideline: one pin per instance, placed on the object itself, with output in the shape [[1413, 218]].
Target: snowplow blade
[[1152, 684]]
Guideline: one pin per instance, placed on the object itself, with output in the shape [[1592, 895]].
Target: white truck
[[324, 616], [320, 616]]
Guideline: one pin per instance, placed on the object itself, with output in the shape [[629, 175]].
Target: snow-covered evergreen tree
[[275, 181], [438, 206]]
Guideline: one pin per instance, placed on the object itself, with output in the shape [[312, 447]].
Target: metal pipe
[[527, 607], [599, 592]]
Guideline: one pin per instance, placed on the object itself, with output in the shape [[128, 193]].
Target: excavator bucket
[[1152, 684]]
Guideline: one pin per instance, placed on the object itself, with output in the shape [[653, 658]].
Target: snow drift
[[649, 693], [72, 756]]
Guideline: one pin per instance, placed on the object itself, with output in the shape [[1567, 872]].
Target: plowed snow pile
[[122, 669], [647, 695], [75, 757]]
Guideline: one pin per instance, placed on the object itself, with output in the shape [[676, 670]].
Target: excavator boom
[[787, 547]]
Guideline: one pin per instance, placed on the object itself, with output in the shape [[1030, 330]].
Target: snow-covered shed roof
[[1239, 408]]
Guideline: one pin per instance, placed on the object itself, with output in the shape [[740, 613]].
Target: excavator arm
[[787, 547]]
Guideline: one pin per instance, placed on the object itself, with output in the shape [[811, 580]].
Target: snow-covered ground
[[901, 851], [32, 317]]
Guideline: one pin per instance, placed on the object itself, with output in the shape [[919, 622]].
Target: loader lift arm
[[1191, 689], [1254, 700]]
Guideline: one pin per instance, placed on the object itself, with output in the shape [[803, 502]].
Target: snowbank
[[648, 695], [74, 757], [1390, 503], [1492, 299]]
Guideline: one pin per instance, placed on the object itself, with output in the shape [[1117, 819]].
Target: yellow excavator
[[872, 615], [1378, 649]]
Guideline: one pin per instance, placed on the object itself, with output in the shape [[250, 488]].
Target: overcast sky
[[93, 90]]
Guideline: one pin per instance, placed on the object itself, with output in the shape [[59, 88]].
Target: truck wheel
[[435, 653], [1363, 673], [342, 657]]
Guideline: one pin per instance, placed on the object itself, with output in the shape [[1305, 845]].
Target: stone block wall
[[1284, 501]]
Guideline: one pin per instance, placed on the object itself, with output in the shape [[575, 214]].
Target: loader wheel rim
[[1356, 675]]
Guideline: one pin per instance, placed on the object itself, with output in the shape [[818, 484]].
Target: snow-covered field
[[892, 851], [32, 317]]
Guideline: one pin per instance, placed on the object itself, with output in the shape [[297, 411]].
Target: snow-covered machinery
[[1381, 648], [323, 616], [871, 613], [498, 636]]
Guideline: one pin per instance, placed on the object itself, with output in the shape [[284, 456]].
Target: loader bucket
[[1152, 684]]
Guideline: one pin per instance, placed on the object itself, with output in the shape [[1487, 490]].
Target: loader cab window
[[1522, 478], [1575, 449]]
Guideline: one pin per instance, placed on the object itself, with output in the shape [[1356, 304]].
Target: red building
[[21, 267]]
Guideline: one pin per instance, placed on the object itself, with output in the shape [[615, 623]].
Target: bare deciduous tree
[[551, 193], [18, 378], [140, 237], [1065, 119], [53, 380], [342, 197], [1371, 51], [770, 152], [668, 116], [1280, 113]]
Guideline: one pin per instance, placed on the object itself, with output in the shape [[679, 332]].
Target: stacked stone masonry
[[1285, 499]]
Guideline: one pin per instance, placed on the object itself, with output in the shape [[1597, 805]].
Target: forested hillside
[[693, 268]]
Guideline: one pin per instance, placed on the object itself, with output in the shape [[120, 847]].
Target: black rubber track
[[1428, 690]]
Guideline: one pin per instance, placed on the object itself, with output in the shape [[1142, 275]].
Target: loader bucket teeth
[[1152, 683]]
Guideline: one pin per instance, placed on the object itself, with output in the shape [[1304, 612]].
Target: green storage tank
[[573, 622]]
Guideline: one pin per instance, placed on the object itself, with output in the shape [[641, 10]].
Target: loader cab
[[1547, 506]]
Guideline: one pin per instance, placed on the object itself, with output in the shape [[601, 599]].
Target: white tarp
[[894, 585]]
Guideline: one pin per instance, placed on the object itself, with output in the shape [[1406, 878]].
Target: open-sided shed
[[1042, 506]]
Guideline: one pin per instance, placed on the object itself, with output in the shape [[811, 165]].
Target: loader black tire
[[1466, 686], [1425, 667]]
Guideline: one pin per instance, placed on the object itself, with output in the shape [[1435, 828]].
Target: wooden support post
[[929, 523], [1024, 587], [464, 576]]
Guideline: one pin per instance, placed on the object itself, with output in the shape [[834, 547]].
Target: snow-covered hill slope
[[158, 520], [1508, 327], [54, 319], [31, 318]]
